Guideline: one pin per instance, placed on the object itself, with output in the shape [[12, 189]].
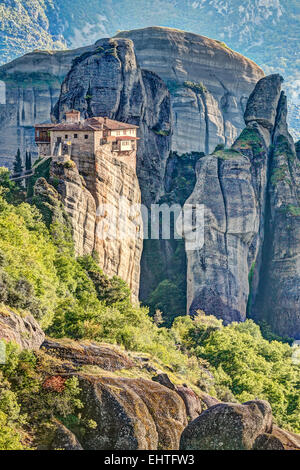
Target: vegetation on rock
[[72, 298]]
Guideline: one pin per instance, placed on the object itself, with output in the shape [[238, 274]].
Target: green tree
[[28, 161], [18, 163]]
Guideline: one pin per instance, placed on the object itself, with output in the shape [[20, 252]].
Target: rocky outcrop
[[251, 202], [22, 330], [228, 426], [109, 82], [97, 200], [276, 297], [231, 426], [104, 356], [64, 439], [209, 84], [131, 414], [218, 284], [263, 102], [192, 401]]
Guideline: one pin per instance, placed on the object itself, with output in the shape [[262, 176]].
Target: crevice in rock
[[201, 99], [220, 163]]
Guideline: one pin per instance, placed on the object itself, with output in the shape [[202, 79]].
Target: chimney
[[73, 117]]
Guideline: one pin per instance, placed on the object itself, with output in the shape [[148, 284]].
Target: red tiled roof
[[72, 127], [48, 125], [110, 123], [90, 124]]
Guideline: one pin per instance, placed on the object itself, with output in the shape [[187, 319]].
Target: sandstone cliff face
[[203, 116], [251, 198], [93, 206]]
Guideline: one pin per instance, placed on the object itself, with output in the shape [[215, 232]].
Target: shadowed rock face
[[203, 116], [250, 258], [277, 298]]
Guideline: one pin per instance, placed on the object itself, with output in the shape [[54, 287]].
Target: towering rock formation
[[209, 84], [251, 198], [276, 298], [107, 81]]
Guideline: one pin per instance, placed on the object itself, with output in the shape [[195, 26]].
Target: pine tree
[[28, 163], [18, 164]]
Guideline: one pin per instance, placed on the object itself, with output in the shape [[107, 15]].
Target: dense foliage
[[246, 363], [30, 400], [73, 298]]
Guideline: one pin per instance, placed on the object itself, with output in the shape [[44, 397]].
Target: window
[[86, 136], [118, 132], [75, 136], [66, 136]]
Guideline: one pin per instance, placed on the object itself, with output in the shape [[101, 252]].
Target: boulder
[[267, 442], [191, 400], [263, 101], [131, 414], [64, 439], [23, 330], [228, 426]]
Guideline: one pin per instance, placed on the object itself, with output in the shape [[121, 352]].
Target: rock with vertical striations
[[277, 297], [249, 261], [97, 182], [33, 84], [209, 84]]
